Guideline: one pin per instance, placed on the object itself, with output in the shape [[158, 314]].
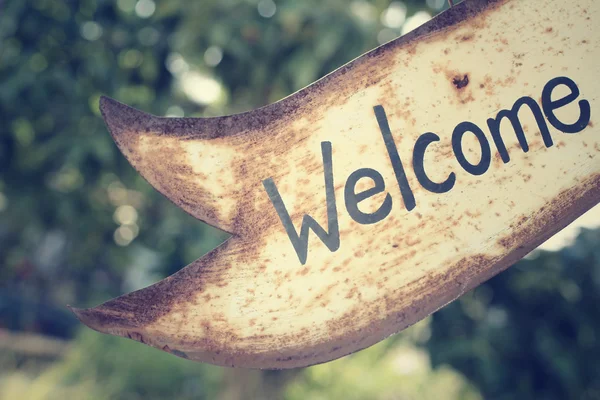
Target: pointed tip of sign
[[110, 107], [86, 316], [105, 319], [120, 117]]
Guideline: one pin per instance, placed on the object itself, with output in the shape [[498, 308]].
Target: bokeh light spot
[[415, 21], [126, 5], [174, 111], [125, 215], [91, 30], [213, 56], [363, 11], [145, 8], [394, 16], [131, 58], [124, 235], [266, 8], [176, 64], [436, 4], [201, 88]]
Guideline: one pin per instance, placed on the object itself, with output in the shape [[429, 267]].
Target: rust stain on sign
[[373, 197]]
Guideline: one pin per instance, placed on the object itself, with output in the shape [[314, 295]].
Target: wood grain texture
[[252, 302]]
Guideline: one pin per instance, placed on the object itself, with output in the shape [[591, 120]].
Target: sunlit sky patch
[[567, 236]]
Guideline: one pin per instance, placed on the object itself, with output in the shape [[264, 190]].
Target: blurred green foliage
[[531, 332], [392, 369], [78, 225], [103, 367]]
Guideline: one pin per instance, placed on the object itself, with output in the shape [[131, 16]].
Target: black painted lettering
[[418, 160], [331, 237], [300, 242], [457, 135], [405, 190], [550, 105], [352, 198], [513, 117]]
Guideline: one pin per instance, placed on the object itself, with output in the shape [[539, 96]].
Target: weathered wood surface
[[427, 127]]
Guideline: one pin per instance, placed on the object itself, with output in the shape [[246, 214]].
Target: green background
[[78, 225]]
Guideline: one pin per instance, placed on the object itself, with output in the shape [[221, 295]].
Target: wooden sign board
[[370, 199]]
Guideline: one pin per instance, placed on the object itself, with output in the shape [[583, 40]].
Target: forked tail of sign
[[189, 160]]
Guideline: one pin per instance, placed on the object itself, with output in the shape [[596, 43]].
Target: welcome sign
[[368, 200]]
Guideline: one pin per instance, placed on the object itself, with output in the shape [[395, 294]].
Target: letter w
[[300, 242]]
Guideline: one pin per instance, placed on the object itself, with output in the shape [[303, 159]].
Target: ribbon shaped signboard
[[368, 200]]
